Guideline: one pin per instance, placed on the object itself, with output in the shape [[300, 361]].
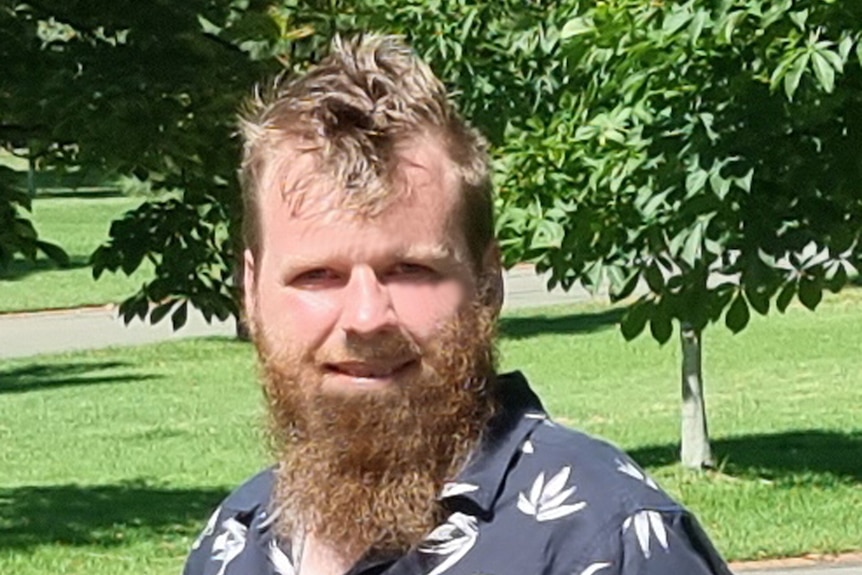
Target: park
[[722, 209]]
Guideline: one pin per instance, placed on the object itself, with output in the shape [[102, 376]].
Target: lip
[[369, 372]]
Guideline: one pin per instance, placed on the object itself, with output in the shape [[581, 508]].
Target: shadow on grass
[[20, 269], [81, 193], [104, 515], [807, 455], [528, 326], [37, 377]]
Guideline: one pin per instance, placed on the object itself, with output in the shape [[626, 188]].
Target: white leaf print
[[558, 499], [547, 501], [642, 530], [280, 561], [229, 543], [556, 483], [528, 447], [562, 511], [594, 568], [454, 538], [658, 528], [646, 523], [632, 470], [452, 489], [537, 488], [208, 530], [525, 505]]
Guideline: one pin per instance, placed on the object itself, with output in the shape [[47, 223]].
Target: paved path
[[29, 334], [824, 569]]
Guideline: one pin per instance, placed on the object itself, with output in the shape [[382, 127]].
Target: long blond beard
[[363, 471]]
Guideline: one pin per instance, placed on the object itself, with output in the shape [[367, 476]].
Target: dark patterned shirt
[[535, 498]]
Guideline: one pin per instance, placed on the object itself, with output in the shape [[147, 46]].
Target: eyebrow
[[437, 253]]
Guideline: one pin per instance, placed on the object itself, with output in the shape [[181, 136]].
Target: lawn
[[112, 459], [78, 222]]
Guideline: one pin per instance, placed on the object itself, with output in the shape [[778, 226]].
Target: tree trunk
[[696, 453], [31, 175], [242, 331]]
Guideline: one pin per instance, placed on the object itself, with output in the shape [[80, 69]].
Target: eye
[[316, 278], [412, 271]]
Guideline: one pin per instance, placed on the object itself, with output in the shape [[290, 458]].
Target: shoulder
[[620, 517], [254, 493], [601, 471], [237, 535]]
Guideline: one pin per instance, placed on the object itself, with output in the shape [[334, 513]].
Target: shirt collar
[[481, 480]]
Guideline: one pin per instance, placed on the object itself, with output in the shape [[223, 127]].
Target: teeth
[[365, 371]]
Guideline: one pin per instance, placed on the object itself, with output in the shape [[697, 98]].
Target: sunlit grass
[[111, 460], [78, 223]]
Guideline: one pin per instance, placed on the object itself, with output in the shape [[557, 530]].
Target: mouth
[[370, 372]]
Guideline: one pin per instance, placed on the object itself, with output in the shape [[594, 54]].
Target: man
[[373, 287]]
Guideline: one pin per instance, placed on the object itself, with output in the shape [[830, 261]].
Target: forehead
[[421, 173], [420, 197]]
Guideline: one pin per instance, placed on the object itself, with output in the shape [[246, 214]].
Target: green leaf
[[823, 71], [178, 319], [695, 181], [744, 183], [844, 48], [758, 298], [654, 277], [660, 324], [635, 318], [835, 60], [54, 252], [693, 247], [720, 186], [810, 292], [729, 24], [794, 74], [738, 315], [837, 278], [674, 21], [799, 18], [593, 275], [577, 27], [698, 22], [160, 311], [621, 286], [782, 302]]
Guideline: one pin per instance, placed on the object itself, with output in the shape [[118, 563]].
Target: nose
[[367, 307]]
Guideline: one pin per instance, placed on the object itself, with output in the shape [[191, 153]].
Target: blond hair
[[370, 94]]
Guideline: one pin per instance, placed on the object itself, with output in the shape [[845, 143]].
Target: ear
[[491, 277], [249, 282]]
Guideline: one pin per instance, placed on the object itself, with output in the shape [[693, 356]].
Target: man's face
[[357, 298]]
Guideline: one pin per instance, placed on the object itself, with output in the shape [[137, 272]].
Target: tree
[[152, 90], [146, 89], [706, 150], [18, 236]]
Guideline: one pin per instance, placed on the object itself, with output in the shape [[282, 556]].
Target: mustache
[[389, 347]]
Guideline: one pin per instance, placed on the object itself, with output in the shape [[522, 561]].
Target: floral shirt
[[535, 498]]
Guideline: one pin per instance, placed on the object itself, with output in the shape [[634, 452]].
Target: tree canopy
[[705, 149]]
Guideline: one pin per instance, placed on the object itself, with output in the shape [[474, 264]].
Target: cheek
[[423, 309], [301, 320]]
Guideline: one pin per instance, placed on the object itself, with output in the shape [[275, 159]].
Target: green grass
[[111, 460], [79, 223]]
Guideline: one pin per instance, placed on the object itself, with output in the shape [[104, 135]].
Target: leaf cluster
[[704, 151], [17, 234]]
